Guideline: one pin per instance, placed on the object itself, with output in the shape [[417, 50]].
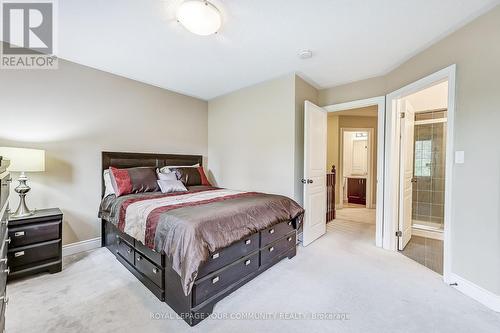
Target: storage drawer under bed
[[229, 254], [211, 284], [149, 269], [277, 248], [275, 232]]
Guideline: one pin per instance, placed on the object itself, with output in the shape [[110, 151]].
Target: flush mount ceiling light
[[200, 17]]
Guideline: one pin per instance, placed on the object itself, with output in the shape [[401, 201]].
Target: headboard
[[129, 160]]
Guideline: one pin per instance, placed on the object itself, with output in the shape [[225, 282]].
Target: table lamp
[[23, 160]]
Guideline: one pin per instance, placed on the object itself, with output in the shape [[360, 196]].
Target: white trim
[[427, 233], [431, 121], [86, 245], [368, 176], [391, 186], [380, 102], [356, 104], [476, 292]]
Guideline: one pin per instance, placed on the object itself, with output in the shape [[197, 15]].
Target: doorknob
[[309, 181]]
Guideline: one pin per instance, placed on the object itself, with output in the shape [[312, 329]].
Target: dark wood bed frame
[[226, 269]]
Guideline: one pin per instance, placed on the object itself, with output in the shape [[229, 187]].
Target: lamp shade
[[24, 159]]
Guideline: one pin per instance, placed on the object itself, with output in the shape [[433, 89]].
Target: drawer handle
[[155, 270], [215, 280], [139, 258], [19, 254], [247, 262], [289, 222], [7, 270], [271, 249], [6, 222], [4, 299], [248, 241], [7, 240], [3, 261], [289, 239], [129, 251], [215, 255], [19, 234], [271, 231]]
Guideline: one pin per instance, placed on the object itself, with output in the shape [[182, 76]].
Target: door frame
[[369, 176], [391, 187], [379, 101]]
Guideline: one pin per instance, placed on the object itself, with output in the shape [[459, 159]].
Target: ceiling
[[260, 39]]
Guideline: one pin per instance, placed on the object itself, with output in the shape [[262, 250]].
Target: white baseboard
[[476, 292], [82, 246]]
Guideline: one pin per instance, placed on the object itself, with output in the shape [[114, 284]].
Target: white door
[[359, 157], [315, 127], [407, 115]]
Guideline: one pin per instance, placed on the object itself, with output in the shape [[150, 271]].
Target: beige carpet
[[356, 214], [341, 273]]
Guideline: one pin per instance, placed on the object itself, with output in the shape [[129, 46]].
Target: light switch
[[459, 157]]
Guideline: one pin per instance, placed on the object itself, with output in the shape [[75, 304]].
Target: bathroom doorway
[[423, 175]]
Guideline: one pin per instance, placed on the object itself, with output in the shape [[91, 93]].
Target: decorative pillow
[[191, 176], [166, 176], [169, 186], [166, 169], [108, 186], [133, 180]]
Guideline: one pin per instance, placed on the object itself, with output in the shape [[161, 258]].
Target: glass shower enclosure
[[429, 170]]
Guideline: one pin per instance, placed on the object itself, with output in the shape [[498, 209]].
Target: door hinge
[[402, 115], [399, 233]]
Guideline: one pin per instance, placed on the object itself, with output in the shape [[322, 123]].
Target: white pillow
[[108, 186], [166, 169], [166, 176], [169, 186]]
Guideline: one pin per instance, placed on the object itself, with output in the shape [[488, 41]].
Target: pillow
[[169, 186], [166, 176], [108, 186], [166, 169], [133, 180], [190, 176]]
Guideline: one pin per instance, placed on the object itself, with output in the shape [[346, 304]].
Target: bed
[[194, 248]]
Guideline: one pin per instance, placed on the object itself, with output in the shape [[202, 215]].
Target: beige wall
[[475, 214], [76, 112], [256, 136], [251, 137]]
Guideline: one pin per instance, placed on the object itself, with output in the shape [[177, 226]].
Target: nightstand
[[35, 243]]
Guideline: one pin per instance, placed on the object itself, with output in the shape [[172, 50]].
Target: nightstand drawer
[[25, 255], [34, 233]]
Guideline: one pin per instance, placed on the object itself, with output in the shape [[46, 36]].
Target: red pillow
[[133, 180], [204, 179]]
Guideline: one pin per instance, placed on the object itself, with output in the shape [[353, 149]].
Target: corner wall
[[256, 137], [251, 138]]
